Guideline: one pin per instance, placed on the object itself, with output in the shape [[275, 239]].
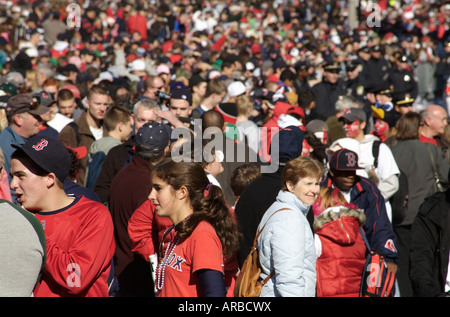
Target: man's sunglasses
[[33, 105]]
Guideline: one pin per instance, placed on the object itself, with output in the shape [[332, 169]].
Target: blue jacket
[[378, 228]]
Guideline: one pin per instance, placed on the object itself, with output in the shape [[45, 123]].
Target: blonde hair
[[244, 103], [328, 197]]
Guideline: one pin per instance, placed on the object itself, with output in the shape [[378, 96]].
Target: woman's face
[[163, 197], [306, 189]]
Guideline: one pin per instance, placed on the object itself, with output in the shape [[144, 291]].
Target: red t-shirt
[[201, 250], [80, 246]]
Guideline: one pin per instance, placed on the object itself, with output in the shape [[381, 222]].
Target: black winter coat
[[430, 242]]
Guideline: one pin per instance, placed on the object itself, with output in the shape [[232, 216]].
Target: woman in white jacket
[[286, 245]]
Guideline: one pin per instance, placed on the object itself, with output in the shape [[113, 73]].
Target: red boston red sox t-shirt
[[201, 250]]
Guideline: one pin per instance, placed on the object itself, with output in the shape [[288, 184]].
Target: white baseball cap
[[137, 64], [236, 88]]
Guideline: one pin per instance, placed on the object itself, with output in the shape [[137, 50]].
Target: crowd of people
[[151, 141]]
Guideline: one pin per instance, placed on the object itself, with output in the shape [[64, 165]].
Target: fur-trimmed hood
[[334, 213]]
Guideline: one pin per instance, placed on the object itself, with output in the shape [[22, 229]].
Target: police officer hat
[[403, 100], [332, 67], [351, 65], [383, 89]]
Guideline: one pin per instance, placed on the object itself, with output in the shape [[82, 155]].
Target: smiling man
[[82, 132], [365, 195]]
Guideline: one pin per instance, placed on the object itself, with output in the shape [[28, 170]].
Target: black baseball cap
[[153, 134], [49, 154], [344, 160], [183, 94], [45, 97], [332, 67], [290, 143]]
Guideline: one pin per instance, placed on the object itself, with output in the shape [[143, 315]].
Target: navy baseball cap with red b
[[344, 160], [49, 154]]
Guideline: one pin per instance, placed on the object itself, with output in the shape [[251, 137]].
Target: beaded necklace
[[165, 261], [174, 240]]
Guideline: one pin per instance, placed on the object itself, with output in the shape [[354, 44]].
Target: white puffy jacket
[[286, 246]]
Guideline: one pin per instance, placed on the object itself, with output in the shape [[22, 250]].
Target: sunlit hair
[[114, 116], [407, 127], [96, 90], [301, 167], [329, 197], [242, 176]]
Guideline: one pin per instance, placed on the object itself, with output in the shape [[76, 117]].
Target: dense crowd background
[[260, 64]]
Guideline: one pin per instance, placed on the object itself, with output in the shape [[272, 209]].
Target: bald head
[[212, 118], [434, 119]]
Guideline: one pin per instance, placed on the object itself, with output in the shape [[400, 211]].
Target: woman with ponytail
[[203, 236]]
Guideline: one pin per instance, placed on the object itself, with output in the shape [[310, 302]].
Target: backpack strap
[[375, 151], [76, 129]]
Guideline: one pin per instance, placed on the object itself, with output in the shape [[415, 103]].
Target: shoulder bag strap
[[256, 238], [433, 164], [259, 232], [365, 238]]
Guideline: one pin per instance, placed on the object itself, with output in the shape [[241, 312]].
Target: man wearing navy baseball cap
[[129, 192], [79, 227], [343, 166], [364, 193]]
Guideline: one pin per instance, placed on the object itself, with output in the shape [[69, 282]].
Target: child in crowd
[[241, 177], [117, 125]]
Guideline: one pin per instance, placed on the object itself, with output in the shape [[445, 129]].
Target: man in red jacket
[[79, 231], [137, 22]]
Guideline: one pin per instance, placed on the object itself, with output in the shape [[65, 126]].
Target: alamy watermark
[[73, 20], [374, 17], [195, 150]]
